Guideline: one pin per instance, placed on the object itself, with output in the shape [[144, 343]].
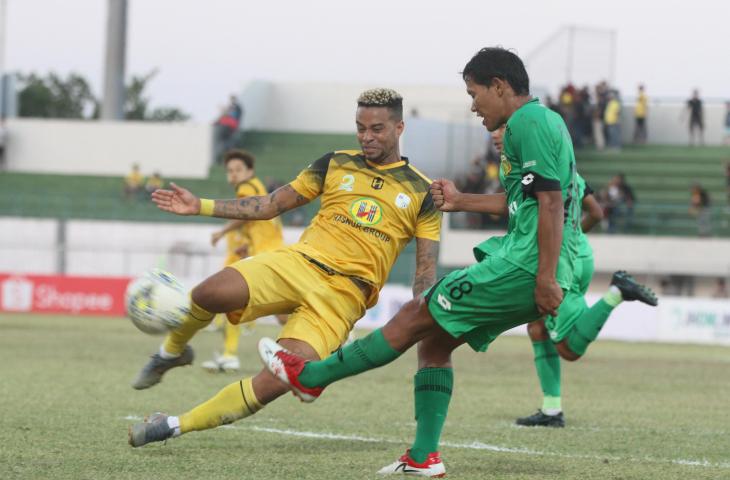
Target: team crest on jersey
[[377, 183], [347, 182], [366, 211], [402, 200], [505, 165]]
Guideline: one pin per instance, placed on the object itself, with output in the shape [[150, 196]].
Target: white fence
[[108, 148]]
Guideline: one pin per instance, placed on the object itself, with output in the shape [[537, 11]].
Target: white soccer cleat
[[287, 366], [433, 467], [222, 364]]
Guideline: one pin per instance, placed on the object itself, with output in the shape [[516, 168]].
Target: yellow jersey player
[[243, 239], [373, 202]]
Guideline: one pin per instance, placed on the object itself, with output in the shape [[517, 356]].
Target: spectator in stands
[[618, 203], [133, 183], [640, 110], [720, 289], [727, 124], [612, 120], [599, 134], [696, 119], [226, 127], [154, 182], [700, 208]]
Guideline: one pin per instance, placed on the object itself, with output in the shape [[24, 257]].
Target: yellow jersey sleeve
[[247, 190], [310, 182], [428, 224]]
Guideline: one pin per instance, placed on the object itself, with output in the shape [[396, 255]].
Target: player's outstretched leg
[[225, 291], [623, 288], [236, 401], [307, 379], [547, 365]]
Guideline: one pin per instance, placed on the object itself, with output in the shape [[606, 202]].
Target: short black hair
[[383, 97], [496, 62], [246, 157]]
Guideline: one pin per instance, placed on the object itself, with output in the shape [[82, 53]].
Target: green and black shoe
[[632, 290], [540, 419]]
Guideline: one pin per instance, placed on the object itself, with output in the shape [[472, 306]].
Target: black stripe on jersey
[[588, 190], [534, 182], [320, 166], [427, 205]]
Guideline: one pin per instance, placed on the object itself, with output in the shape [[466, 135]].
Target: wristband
[[206, 207]]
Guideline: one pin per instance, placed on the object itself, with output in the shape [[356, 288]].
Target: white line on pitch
[[491, 448]]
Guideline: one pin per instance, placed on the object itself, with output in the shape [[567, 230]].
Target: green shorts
[[574, 303], [479, 302]]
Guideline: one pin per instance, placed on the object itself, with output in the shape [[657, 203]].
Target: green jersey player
[[523, 280], [568, 334]]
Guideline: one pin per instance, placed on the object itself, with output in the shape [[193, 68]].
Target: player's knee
[[203, 295], [537, 331], [566, 353]]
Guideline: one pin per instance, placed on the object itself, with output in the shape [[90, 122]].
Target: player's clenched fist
[[178, 200], [445, 195]]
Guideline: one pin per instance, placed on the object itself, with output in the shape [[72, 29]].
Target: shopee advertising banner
[[63, 294]]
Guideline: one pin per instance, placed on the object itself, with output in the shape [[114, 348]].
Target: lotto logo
[[444, 302], [17, 294], [528, 179]]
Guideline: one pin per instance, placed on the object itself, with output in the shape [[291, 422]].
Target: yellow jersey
[[642, 105], [261, 235], [367, 216]]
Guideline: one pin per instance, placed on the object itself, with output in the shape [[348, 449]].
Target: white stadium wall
[[108, 148]]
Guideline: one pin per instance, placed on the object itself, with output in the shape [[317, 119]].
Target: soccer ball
[[156, 302]]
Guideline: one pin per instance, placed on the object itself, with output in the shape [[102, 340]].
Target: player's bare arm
[[427, 252], [448, 198], [548, 293], [593, 213], [181, 202]]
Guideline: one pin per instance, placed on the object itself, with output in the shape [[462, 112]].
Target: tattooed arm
[[181, 202], [427, 252]]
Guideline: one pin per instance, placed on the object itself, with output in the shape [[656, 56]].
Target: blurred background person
[[640, 112], [700, 208], [696, 119], [133, 183]]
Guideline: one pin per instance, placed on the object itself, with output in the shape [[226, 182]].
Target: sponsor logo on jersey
[[402, 200], [531, 163], [505, 165], [377, 183], [528, 179], [366, 211], [347, 182]]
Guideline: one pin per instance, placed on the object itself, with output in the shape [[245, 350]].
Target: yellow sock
[[197, 319], [231, 335], [234, 402]]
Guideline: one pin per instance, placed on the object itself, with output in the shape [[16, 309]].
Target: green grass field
[[634, 411]]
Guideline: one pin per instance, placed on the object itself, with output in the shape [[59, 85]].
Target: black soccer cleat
[[540, 419], [632, 290]]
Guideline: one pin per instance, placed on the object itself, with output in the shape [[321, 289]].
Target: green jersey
[[537, 156], [584, 249]]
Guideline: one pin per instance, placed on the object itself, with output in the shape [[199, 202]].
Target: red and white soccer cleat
[[432, 467], [287, 366]]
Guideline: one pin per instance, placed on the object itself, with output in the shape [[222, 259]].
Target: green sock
[[432, 391], [371, 351], [547, 364], [588, 326]]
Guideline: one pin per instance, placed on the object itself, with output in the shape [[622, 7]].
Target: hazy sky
[[206, 49]]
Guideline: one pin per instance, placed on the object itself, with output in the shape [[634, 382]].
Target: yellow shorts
[[323, 308]]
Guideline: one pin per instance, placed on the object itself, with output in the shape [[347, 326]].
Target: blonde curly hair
[[382, 97]]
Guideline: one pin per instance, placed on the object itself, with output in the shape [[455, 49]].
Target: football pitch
[[633, 411]]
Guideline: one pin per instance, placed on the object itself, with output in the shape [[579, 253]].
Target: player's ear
[[400, 126]]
